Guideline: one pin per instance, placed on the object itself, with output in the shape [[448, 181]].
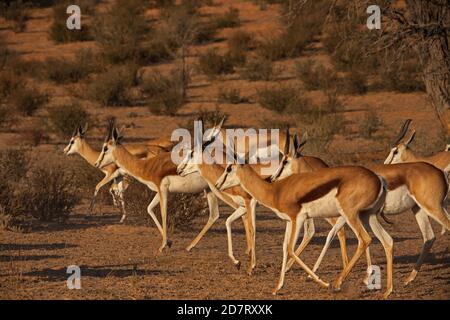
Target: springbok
[[158, 173], [240, 200], [400, 151], [352, 194], [418, 186], [78, 145]]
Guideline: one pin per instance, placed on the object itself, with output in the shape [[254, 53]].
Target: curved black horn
[[301, 144], [296, 142], [111, 123], [75, 131], [287, 142], [402, 132]]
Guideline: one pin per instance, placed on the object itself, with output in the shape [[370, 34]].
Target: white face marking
[[106, 156], [395, 156], [73, 146], [188, 165], [229, 178], [284, 169]]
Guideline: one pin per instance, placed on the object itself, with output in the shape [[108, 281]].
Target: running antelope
[[79, 145], [158, 173], [352, 194], [239, 200], [400, 151], [418, 186]]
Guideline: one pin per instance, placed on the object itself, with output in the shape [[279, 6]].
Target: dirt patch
[[118, 262]]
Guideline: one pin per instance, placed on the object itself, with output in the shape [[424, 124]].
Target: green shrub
[[120, 29], [160, 48], [278, 98], [111, 88], [229, 19], [59, 32], [27, 99], [258, 69], [9, 83], [240, 41], [355, 82], [54, 202], [401, 77], [165, 93], [64, 71], [186, 25], [370, 124], [16, 11], [63, 118], [210, 118], [204, 32], [314, 76], [298, 33], [231, 96], [212, 63]]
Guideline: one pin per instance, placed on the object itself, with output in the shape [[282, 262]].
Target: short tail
[[382, 199]]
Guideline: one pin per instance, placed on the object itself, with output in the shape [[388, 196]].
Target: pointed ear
[[287, 143], [84, 129], [117, 138], [301, 144], [411, 138], [80, 131]]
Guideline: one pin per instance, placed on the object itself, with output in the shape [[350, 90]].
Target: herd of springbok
[[300, 189]]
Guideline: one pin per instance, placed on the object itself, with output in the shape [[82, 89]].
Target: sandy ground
[[118, 262]]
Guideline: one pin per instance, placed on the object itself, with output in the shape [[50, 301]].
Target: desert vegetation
[[158, 65]]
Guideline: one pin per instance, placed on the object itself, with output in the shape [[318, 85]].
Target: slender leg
[[343, 244], [386, 241], [121, 190], [248, 250], [364, 240], [163, 206], [369, 267], [252, 227], [235, 215], [151, 206], [296, 226], [307, 236], [339, 224], [428, 240], [213, 216], [108, 177], [287, 234]]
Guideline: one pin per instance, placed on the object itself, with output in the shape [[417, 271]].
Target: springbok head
[[112, 140], [292, 151], [229, 177], [401, 144], [76, 140], [190, 163]]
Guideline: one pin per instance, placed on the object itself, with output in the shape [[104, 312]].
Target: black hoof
[[169, 243], [238, 265]]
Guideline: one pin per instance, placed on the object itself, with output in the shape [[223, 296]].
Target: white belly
[[398, 200], [325, 207], [192, 183]]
